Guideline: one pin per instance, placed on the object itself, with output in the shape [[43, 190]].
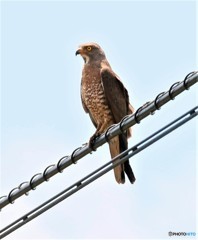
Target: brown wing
[[118, 100], [116, 94]]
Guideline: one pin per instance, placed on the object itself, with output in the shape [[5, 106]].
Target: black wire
[[99, 172], [79, 153]]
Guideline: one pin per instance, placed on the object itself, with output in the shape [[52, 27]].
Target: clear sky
[[150, 45]]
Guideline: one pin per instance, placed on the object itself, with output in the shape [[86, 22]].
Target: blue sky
[[150, 45]]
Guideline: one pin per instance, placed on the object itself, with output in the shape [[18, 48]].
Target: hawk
[[106, 100]]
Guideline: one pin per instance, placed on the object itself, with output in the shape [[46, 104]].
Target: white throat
[[86, 58]]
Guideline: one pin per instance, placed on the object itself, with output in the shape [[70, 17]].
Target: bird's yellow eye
[[89, 48]]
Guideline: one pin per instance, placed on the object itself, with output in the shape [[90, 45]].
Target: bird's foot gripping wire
[[92, 140]]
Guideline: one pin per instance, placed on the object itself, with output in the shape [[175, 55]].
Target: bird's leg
[[100, 129], [94, 137], [92, 140]]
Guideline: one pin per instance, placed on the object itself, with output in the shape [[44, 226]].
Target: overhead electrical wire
[[64, 162], [79, 153], [99, 172]]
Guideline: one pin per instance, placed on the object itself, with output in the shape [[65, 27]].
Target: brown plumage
[[106, 100]]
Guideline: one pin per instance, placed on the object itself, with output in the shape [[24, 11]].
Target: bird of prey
[[106, 100]]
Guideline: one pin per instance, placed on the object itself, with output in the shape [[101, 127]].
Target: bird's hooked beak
[[83, 54], [79, 51]]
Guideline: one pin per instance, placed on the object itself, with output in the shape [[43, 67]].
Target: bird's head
[[90, 52]]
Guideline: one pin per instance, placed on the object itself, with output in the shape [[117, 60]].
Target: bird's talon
[[92, 141], [91, 144]]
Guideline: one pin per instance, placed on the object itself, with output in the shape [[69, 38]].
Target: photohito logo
[[181, 234]]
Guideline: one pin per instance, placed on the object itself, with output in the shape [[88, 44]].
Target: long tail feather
[[127, 168], [114, 147]]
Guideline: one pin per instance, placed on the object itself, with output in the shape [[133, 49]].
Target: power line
[[99, 172], [126, 122]]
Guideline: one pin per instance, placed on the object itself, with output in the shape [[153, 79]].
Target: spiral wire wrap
[[111, 132]]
